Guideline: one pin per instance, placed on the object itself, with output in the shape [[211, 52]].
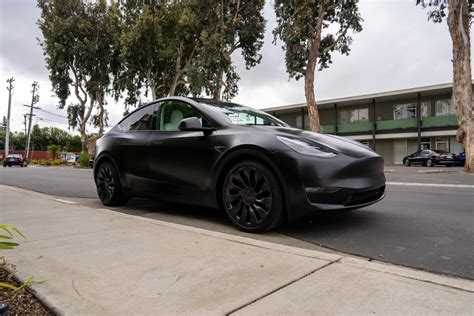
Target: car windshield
[[241, 115], [13, 156]]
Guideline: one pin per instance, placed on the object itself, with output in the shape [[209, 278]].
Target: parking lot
[[425, 226]]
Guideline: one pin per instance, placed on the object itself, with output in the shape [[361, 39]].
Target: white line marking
[[64, 201], [440, 185]]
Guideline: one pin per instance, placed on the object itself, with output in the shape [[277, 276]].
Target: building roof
[[410, 93]]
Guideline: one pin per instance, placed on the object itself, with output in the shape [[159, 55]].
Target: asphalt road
[[430, 228]]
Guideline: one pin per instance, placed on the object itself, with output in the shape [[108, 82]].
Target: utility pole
[[34, 100], [7, 128]]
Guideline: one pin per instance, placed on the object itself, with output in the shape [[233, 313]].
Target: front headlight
[[307, 148]]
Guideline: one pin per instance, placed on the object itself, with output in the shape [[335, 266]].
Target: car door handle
[[157, 142]]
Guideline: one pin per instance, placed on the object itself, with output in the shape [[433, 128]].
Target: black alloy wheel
[[406, 162], [252, 197], [108, 185]]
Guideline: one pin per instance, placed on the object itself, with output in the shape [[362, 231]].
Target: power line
[[62, 116]]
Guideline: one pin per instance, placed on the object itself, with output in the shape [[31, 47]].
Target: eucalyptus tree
[[77, 47], [459, 19], [311, 30], [233, 25]]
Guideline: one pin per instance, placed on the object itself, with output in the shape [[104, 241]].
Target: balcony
[[328, 129], [396, 124], [355, 127], [437, 121]]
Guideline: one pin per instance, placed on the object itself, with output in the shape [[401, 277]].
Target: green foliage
[[34, 161], [7, 232], [57, 162], [84, 159], [437, 9], [53, 151], [297, 23]]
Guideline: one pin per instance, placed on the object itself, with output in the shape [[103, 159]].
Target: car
[[234, 158], [461, 159], [430, 157], [15, 160]]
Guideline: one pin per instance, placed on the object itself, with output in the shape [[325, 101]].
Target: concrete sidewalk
[[96, 261]]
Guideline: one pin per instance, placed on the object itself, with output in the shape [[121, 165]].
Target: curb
[[440, 185]]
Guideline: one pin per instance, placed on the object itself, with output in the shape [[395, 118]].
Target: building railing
[[396, 124], [437, 121], [329, 129], [354, 127]]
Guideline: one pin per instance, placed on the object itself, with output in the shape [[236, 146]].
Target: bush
[[74, 163], [49, 163], [42, 162], [56, 162], [53, 151], [34, 161], [84, 159]]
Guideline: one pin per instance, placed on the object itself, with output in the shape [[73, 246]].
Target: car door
[[413, 157], [131, 148], [181, 161], [424, 156]]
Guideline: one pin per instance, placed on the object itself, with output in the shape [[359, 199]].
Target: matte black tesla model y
[[228, 156]]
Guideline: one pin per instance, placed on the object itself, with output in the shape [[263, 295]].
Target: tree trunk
[[309, 73], [101, 119], [217, 95], [463, 99]]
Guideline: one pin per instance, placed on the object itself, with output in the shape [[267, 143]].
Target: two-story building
[[393, 123]]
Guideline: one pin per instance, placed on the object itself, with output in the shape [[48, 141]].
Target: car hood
[[340, 144]]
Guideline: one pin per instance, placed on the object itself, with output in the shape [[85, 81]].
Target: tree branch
[[338, 39]]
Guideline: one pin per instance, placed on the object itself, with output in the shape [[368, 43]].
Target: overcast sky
[[397, 49]]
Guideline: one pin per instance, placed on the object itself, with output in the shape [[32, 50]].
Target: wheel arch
[[240, 153], [106, 157]]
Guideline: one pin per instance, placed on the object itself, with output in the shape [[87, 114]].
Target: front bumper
[[319, 185]]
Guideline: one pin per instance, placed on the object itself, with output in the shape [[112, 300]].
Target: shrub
[[49, 163], [7, 243], [84, 159], [74, 163], [34, 161], [53, 151], [42, 162], [56, 162]]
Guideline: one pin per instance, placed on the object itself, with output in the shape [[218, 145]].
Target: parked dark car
[[15, 160], [228, 156], [461, 159], [430, 157]]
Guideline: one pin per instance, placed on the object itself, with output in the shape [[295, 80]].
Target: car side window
[[140, 120], [170, 113], [425, 152]]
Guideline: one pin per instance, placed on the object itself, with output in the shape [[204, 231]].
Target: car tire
[[252, 197], [449, 165], [406, 162], [9, 165], [429, 163], [108, 185]]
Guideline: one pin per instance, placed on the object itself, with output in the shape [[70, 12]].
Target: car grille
[[366, 196]]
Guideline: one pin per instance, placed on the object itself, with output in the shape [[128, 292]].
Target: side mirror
[[193, 124]]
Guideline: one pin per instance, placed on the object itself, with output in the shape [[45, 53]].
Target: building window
[[444, 107], [425, 108], [354, 115], [404, 111], [441, 143], [425, 143], [299, 121]]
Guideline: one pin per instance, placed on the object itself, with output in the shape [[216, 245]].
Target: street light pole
[[7, 128]]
